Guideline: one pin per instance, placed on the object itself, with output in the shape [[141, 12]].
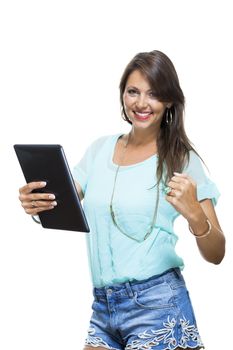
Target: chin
[[143, 123]]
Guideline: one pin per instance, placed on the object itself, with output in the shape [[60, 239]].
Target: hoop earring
[[169, 116]]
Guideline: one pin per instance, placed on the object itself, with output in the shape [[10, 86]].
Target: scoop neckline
[[117, 136]]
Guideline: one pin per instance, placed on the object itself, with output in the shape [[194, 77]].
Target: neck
[[143, 137]]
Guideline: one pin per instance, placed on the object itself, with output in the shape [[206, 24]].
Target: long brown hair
[[172, 142]]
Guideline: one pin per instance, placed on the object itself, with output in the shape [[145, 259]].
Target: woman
[[135, 186]]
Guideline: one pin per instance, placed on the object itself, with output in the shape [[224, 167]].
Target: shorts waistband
[[129, 288]]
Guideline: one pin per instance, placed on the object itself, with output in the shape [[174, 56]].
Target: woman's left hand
[[183, 194]]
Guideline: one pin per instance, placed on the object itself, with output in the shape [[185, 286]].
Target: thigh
[[198, 348], [101, 348], [161, 317], [92, 348], [101, 333]]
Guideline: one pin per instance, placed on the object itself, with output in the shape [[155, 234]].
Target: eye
[[132, 92], [152, 94]]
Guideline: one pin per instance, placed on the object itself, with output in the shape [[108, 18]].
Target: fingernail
[[51, 196], [176, 173], [43, 183], [54, 203]]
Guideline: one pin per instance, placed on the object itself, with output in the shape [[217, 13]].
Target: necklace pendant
[[147, 235], [112, 212]]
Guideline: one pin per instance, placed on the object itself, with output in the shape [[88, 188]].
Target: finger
[[179, 178], [32, 186], [174, 193], [36, 196], [171, 199], [191, 180], [174, 185], [180, 174], [182, 180], [171, 193], [35, 211], [38, 204], [185, 177]]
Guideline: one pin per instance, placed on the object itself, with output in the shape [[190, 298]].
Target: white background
[[61, 62]]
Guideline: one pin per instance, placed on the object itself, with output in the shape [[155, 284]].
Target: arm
[[183, 196], [212, 247]]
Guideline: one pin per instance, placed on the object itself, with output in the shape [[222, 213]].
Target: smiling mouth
[[142, 115]]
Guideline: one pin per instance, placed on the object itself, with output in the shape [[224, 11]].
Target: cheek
[[158, 107], [127, 101], [127, 104]]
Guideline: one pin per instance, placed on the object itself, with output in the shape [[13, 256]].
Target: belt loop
[[95, 295], [177, 271], [129, 289]]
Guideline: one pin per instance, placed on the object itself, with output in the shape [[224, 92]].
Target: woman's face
[[140, 104]]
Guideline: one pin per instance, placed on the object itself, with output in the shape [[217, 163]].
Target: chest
[[131, 155], [134, 188]]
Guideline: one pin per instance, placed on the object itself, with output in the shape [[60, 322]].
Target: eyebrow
[[134, 87]]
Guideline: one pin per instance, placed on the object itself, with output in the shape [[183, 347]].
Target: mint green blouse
[[113, 257]]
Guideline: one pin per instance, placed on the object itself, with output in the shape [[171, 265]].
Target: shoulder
[[193, 159], [102, 139], [98, 143], [196, 168]]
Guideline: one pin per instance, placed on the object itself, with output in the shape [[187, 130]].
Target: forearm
[[212, 247]]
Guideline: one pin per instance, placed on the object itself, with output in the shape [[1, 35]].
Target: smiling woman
[[157, 90], [134, 187]]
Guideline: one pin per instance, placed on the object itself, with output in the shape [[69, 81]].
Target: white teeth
[[143, 114]]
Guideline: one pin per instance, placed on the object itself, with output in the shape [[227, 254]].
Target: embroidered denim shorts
[[144, 315]]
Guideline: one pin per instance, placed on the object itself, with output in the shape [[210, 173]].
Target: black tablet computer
[[48, 163]]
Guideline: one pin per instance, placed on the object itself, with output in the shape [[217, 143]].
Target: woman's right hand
[[34, 203]]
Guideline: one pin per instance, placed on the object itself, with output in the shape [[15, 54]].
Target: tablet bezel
[[47, 162]]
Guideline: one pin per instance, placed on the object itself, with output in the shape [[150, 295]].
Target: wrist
[[203, 234], [196, 214], [197, 221]]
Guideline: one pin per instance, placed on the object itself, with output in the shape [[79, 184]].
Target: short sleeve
[[206, 188], [83, 168]]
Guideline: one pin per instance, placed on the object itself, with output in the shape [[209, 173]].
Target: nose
[[142, 101]]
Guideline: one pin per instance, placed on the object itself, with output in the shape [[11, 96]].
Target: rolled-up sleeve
[[206, 188]]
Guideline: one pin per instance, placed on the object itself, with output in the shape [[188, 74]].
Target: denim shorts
[[155, 313]]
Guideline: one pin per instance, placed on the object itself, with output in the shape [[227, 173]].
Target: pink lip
[[141, 118]]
